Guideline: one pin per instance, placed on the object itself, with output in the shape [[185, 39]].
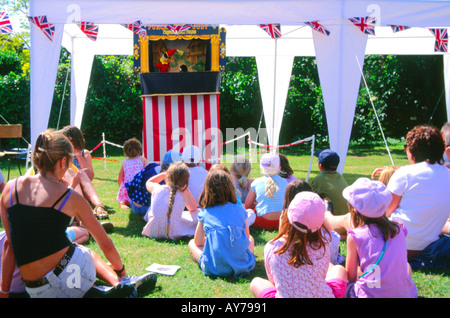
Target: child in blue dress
[[222, 243]]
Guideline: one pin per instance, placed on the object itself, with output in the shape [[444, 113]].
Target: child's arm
[[154, 181], [121, 176], [144, 161], [352, 261], [199, 236], [191, 204], [85, 161], [250, 200], [394, 204]]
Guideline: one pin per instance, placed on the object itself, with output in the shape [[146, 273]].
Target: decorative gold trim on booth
[[145, 65]]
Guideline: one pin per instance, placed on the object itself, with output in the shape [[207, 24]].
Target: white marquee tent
[[340, 56]]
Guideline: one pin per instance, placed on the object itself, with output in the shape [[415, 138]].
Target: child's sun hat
[[370, 198], [308, 209]]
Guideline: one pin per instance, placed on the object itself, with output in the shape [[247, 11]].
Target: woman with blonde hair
[[167, 217], [266, 195], [35, 212]]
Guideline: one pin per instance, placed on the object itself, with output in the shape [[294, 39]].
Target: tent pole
[[375, 111], [274, 95]]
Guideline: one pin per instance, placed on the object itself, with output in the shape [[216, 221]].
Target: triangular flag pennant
[[316, 26], [5, 23], [90, 29], [398, 28], [41, 22], [365, 24], [175, 28], [441, 40], [137, 27], [273, 29]]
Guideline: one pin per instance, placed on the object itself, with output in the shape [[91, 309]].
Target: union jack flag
[[137, 27], [398, 28], [365, 24], [316, 26], [273, 29], [441, 42], [5, 23], [178, 27], [90, 29], [42, 23]]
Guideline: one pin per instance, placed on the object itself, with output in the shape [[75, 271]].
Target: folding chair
[[9, 132]]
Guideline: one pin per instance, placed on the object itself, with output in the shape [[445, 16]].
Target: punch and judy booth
[[180, 71]]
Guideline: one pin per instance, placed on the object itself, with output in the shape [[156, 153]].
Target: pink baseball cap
[[368, 197], [306, 208]]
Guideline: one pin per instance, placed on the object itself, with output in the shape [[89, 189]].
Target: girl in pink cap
[[297, 260], [376, 247]]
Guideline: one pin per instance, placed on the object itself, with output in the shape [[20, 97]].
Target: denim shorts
[[139, 210], [73, 282]]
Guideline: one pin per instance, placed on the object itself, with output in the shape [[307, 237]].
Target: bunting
[[137, 27], [175, 28], [41, 22], [441, 40], [5, 23], [365, 24], [273, 29], [90, 29], [398, 28], [316, 26]]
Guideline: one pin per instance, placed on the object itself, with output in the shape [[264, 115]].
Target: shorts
[[262, 223], [74, 281], [337, 285], [435, 255], [139, 210]]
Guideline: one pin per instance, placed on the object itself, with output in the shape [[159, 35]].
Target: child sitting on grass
[[376, 247], [222, 244], [297, 260]]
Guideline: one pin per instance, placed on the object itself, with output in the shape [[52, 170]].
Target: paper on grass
[[163, 269]]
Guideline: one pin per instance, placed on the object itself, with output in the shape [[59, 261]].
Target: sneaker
[[119, 291], [107, 226], [147, 279]]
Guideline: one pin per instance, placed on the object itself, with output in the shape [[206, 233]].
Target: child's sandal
[[100, 212]]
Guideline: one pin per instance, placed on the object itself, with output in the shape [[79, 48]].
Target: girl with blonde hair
[[167, 217], [240, 170], [266, 195]]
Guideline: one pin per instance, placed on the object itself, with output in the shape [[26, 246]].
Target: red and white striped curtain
[[172, 122]]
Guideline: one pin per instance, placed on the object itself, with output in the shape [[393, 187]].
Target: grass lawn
[[138, 252]]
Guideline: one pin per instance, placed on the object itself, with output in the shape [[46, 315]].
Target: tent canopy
[[340, 56]]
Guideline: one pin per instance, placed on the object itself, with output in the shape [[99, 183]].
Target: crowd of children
[[217, 208]]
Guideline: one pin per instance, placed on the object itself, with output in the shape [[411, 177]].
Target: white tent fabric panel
[[447, 84], [44, 57], [338, 56], [242, 12]]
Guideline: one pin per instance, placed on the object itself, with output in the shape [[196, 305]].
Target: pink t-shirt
[[306, 281]]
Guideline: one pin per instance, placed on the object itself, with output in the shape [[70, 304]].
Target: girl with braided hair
[[167, 216]]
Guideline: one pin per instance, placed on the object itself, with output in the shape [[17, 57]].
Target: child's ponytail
[[173, 192], [271, 187]]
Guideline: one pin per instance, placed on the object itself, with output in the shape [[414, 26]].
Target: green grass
[[138, 252]]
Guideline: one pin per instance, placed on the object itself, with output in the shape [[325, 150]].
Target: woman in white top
[[421, 197]]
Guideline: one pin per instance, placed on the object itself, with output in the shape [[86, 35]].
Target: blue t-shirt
[[226, 250], [266, 204]]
